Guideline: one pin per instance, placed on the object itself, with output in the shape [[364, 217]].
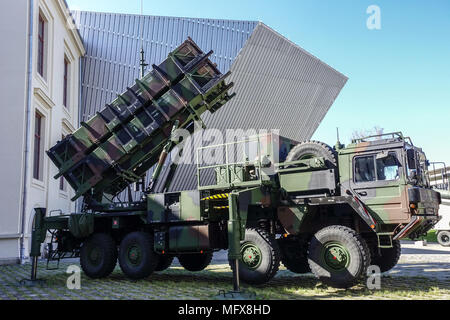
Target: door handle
[[364, 193]]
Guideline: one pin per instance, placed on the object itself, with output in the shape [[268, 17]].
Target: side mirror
[[413, 177], [411, 155]]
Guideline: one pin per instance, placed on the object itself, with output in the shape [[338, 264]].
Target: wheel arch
[[345, 207], [316, 217]]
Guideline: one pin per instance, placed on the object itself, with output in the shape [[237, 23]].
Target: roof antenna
[[142, 62], [338, 145]]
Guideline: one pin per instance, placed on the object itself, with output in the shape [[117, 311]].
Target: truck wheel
[[137, 258], [338, 256], [164, 263], [389, 257], [260, 257], [195, 262], [294, 255], [98, 255], [312, 149], [443, 237]]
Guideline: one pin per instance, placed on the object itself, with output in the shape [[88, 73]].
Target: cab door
[[379, 181]]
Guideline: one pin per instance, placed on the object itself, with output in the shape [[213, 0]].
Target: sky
[[399, 75]]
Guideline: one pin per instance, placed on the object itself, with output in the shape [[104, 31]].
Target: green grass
[[176, 283], [431, 236]]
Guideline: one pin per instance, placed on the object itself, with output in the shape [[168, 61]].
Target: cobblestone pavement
[[423, 273], [431, 261]]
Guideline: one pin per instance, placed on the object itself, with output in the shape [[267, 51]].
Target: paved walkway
[[423, 273], [430, 261]]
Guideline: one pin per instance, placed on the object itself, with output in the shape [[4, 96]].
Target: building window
[[38, 146], [66, 83], [41, 45]]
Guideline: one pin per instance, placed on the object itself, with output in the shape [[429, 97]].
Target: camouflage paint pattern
[[275, 147], [81, 225], [152, 86], [387, 202], [291, 218], [120, 143], [188, 210], [185, 218], [260, 152], [306, 178], [189, 238], [239, 203], [174, 208], [383, 205], [190, 206], [156, 208]]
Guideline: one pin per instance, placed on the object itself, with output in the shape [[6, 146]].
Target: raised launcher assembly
[[121, 142]]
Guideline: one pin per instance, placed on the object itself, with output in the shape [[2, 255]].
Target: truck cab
[[389, 175]]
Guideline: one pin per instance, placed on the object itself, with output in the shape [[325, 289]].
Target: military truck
[[443, 226], [266, 198], [439, 180]]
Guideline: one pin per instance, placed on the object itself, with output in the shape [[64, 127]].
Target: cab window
[[364, 169], [388, 168], [368, 168]]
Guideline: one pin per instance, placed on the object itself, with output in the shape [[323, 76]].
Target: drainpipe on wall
[[27, 130]]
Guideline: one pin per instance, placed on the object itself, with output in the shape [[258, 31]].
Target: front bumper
[[424, 216]]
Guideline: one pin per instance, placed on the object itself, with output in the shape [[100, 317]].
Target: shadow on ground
[[176, 283]]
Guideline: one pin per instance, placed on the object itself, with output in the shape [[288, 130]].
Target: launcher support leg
[[236, 284], [37, 237], [238, 205], [34, 263], [234, 238]]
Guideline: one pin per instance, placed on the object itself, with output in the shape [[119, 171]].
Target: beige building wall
[[61, 43], [13, 70]]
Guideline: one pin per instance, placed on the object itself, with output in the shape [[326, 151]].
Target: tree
[[361, 133]]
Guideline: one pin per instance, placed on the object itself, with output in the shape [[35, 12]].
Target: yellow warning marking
[[217, 196]]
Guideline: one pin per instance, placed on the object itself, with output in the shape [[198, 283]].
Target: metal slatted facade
[[113, 43], [278, 84]]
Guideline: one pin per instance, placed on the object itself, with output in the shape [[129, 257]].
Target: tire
[[98, 256], [338, 256], [195, 262], [389, 257], [164, 263], [264, 257], [311, 149], [443, 237], [137, 258], [294, 255]]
